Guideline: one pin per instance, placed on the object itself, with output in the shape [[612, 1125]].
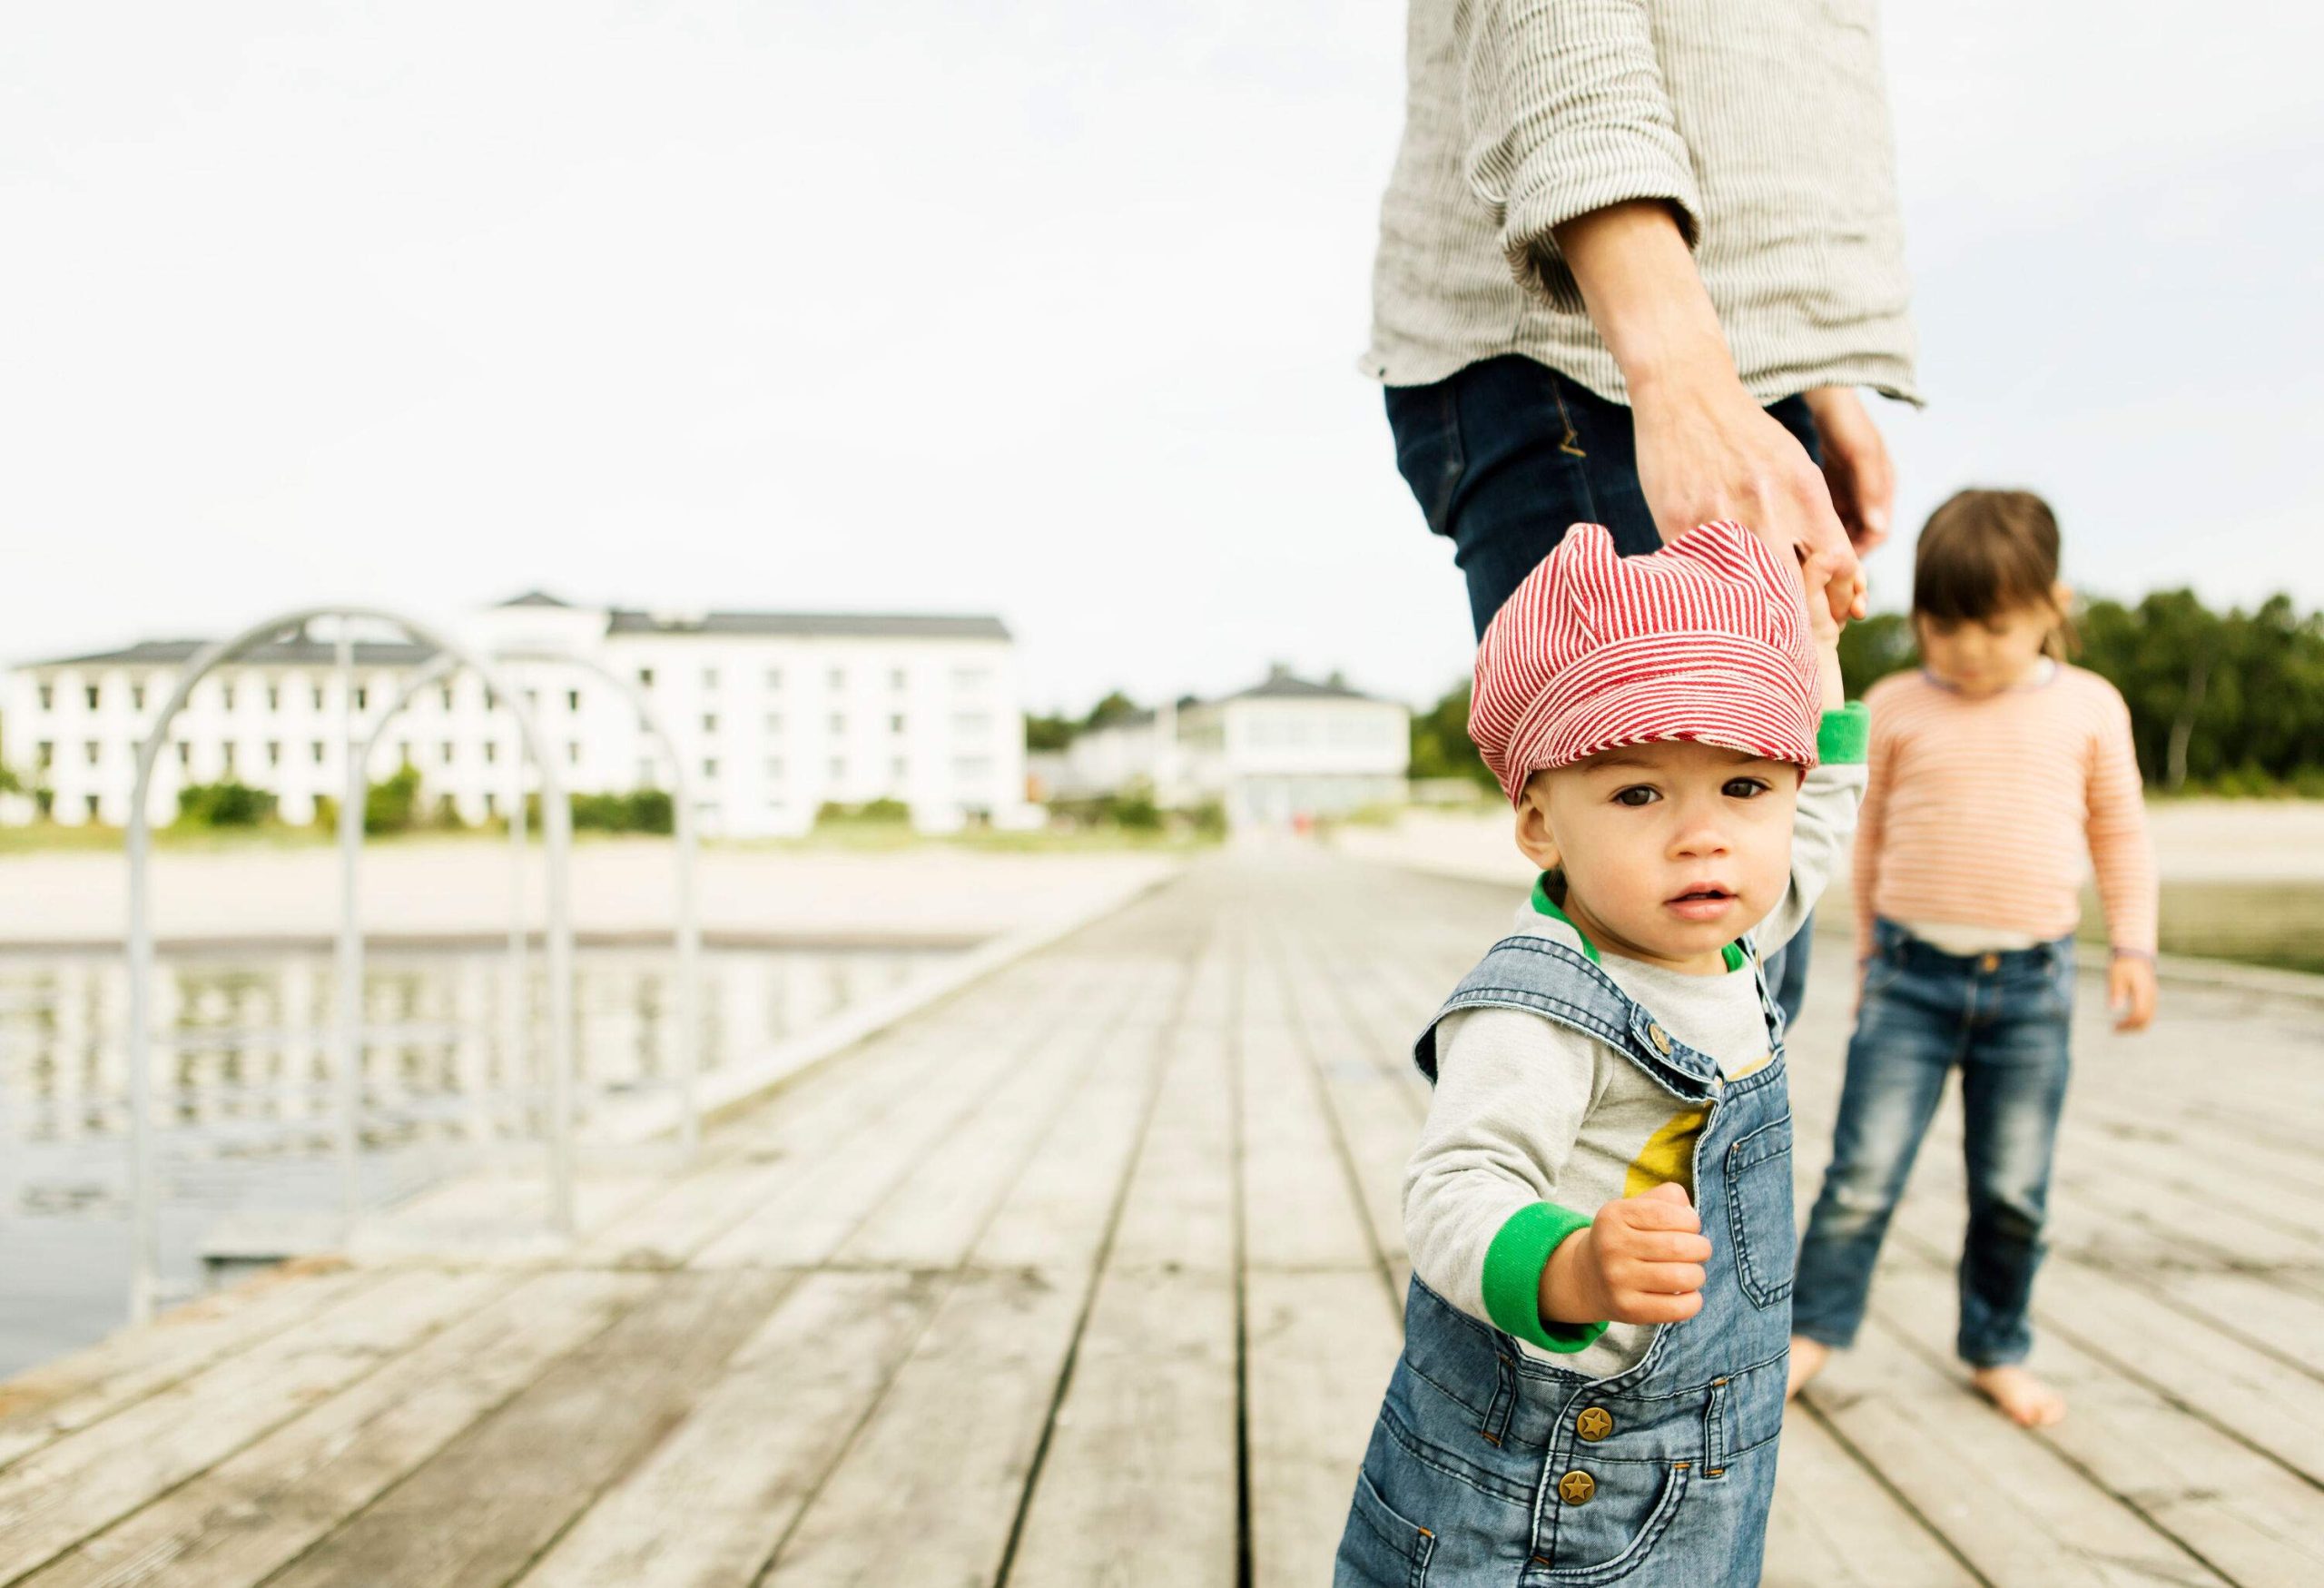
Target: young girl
[[1992, 770]]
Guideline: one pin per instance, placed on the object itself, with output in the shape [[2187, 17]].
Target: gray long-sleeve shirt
[[1763, 123]]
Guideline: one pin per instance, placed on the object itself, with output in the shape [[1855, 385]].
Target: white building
[[776, 714], [1281, 751]]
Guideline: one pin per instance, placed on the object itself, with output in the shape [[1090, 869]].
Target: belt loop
[[1494, 1429]]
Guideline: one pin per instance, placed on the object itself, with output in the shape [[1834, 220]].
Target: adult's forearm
[[1638, 282]]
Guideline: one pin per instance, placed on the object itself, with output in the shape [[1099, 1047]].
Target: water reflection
[[245, 1094]]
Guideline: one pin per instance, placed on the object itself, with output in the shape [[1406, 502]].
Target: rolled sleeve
[[1565, 112]]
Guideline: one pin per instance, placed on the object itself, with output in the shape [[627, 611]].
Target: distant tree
[[392, 805], [1048, 732], [1112, 709], [224, 805], [1440, 746]]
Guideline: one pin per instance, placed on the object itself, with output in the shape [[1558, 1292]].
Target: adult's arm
[[1571, 138]]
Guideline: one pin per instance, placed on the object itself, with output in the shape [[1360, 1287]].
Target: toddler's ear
[[1535, 839]]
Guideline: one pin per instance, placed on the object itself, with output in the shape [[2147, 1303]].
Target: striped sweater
[[1987, 813], [1763, 123]]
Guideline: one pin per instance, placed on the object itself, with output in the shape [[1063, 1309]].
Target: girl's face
[[1987, 657]]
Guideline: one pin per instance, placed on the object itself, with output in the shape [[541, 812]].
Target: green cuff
[[1840, 737], [1513, 1266]]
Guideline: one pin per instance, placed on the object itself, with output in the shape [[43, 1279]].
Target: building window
[[532, 700], [646, 676], [318, 748], [774, 769], [274, 752], [573, 700], [492, 807], [839, 726], [92, 693], [710, 768], [710, 722], [93, 749], [896, 723], [274, 697], [403, 753], [491, 751], [972, 725], [901, 770], [710, 677], [91, 801], [47, 754], [839, 677], [773, 722], [447, 748], [970, 677], [225, 697], [898, 679], [774, 677], [645, 778], [185, 753], [573, 754], [319, 697], [446, 692], [48, 697], [226, 758], [839, 769], [137, 697], [972, 768]]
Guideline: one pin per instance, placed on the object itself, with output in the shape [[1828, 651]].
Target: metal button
[[1990, 963], [1659, 1038], [1576, 1487], [1594, 1424]]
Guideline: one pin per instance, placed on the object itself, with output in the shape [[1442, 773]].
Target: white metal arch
[[688, 842], [557, 825]]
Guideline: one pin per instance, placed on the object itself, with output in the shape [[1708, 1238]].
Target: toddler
[[1993, 770], [1599, 1210]]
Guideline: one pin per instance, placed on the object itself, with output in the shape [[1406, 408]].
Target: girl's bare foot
[[1808, 1359], [2023, 1398]]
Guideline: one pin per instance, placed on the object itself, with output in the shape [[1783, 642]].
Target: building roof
[[1282, 683], [811, 624], [535, 599], [297, 652]]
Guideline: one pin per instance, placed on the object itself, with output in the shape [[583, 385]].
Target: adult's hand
[[1706, 450], [1855, 465]]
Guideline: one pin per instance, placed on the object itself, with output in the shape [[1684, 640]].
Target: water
[[245, 1089]]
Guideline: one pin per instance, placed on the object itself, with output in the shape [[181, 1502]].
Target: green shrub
[[392, 805], [226, 804], [641, 810], [871, 812]]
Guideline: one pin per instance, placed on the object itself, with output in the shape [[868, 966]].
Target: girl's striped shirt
[[1987, 813]]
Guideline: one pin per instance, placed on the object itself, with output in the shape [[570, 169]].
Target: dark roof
[[1282, 683], [812, 625], [278, 653], [534, 598]]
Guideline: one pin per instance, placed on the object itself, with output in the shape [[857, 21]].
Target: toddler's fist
[[1640, 1262]]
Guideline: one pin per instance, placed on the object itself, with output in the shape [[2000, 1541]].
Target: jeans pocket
[[1426, 423], [1608, 1530], [1758, 1213], [1379, 1548]]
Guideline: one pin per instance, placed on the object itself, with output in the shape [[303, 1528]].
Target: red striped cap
[[1704, 640]]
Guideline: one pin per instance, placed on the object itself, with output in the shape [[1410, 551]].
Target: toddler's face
[[1671, 850], [1986, 657]]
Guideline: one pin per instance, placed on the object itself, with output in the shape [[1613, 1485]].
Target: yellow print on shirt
[[1669, 1153]]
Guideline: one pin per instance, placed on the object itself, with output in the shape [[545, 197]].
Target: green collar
[[1732, 953]]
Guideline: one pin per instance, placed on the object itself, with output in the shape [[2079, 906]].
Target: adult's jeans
[[2003, 1021], [1508, 454]]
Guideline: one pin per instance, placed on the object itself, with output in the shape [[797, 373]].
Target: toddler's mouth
[[1704, 901]]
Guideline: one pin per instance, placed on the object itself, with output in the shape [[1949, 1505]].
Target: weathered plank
[[60, 1494], [242, 1519], [489, 1502], [1834, 1526], [708, 1507]]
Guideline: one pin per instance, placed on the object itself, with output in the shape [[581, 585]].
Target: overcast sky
[[1044, 308]]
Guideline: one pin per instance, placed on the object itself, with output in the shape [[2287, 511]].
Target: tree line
[[2227, 703]]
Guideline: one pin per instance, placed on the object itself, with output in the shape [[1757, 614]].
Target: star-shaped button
[[1576, 1487], [1594, 1424]]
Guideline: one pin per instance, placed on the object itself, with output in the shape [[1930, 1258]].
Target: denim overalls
[[1489, 1466]]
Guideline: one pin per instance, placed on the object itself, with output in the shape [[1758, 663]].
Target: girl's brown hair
[[1986, 552]]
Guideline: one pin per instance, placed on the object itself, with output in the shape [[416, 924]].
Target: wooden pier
[[1090, 1275]]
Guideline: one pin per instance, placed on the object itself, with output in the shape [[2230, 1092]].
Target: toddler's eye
[[1637, 794], [1744, 788]]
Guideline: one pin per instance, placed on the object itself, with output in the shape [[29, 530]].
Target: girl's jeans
[[2004, 1020]]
